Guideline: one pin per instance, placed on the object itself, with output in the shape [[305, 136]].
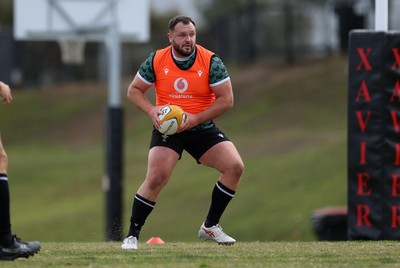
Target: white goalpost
[[381, 15]]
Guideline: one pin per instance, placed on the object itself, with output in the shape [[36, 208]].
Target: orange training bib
[[190, 88]]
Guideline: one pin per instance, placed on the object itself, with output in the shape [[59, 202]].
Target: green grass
[[289, 123], [207, 254]]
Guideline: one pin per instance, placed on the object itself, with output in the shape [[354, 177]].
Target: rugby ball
[[172, 118]]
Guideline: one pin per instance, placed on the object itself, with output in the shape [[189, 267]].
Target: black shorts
[[195, 142]]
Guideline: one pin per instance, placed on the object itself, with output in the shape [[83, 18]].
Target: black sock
[[141, 209], [221, 196], [5, 221]]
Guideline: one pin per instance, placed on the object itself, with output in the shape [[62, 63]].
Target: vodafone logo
[[181, 85]]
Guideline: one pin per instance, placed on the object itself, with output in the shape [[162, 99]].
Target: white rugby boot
[[216, 234], [130, 243]]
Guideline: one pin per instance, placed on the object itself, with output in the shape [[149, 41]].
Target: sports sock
[[141, 209], [221, 196], [5, 221]]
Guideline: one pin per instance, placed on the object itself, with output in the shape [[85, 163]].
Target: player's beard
[[182, 50]]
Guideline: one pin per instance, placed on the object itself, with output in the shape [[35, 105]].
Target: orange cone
[[155, 240]]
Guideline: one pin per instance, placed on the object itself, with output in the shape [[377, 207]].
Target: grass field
[[289, 123], [242, 254]]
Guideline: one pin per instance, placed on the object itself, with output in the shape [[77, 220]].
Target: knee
[[240, 168], [3, 155], [3, 161], [237, 169], [156, 182]]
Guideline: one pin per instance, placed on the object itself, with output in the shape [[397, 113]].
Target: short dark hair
[[175, 20]]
